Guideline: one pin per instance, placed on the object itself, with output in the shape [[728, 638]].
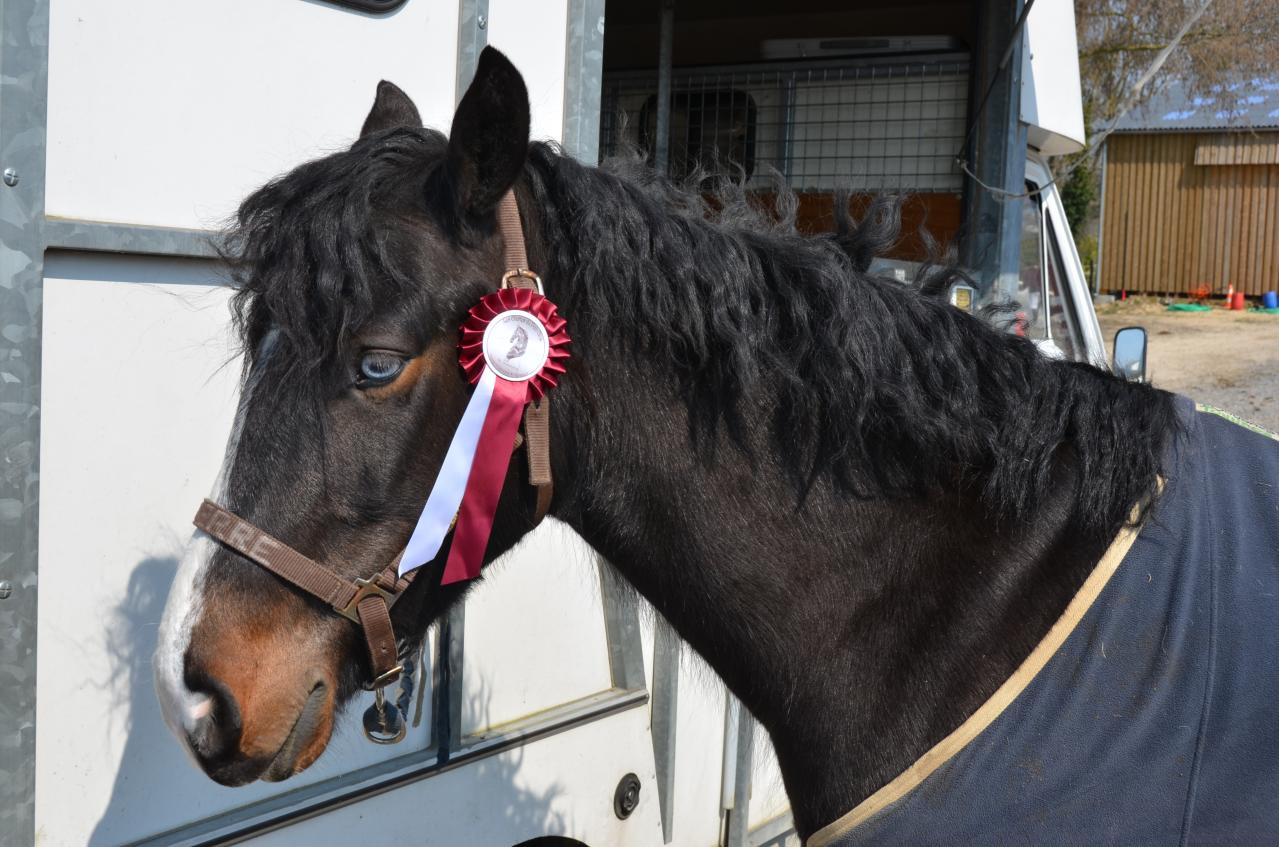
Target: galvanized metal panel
[[738, 811], [697, 815], [583, 72], [622, 629], [472, 35], [665, 722], [23, 85], [96, 236]]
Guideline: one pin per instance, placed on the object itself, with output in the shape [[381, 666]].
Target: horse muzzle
[[232, 753]]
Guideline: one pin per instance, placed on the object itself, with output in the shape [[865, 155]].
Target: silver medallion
[[516, 345]]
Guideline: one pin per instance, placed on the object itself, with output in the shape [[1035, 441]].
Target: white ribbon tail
[[450, 484]]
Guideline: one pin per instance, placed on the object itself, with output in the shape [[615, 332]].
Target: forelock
[[315, 251]]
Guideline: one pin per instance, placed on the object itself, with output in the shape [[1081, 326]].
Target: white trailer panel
[[170, 113], [161, 117], [1051, 99]]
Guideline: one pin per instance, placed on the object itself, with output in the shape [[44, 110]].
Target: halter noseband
[[368, 602]]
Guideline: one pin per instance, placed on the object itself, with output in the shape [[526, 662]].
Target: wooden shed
[[1190, 196]]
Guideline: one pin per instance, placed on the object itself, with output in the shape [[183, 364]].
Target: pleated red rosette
[[471, 344], [513, 346]]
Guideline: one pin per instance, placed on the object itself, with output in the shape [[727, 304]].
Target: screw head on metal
[[481, 21], [5, 589], [10, 177]]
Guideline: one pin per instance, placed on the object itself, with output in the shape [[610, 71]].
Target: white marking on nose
[[183, 709]]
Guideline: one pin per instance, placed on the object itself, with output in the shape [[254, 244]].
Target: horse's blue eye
[[379, 367]]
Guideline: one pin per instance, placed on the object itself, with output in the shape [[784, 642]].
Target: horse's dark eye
[[377, 367]]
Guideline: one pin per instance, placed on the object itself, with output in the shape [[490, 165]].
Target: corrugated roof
[[1248, 105]]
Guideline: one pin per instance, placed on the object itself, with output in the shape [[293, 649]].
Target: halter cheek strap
[[368, 602], [537, 415]]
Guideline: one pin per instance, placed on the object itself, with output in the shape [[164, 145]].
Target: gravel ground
[[1226, 359]]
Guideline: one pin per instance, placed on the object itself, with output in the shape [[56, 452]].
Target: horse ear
[[391, 108], [489, 138]]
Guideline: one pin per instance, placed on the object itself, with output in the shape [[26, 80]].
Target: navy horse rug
[[1149, 714]]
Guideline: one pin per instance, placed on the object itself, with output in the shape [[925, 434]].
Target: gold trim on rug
[[985, 715], [1236, 420]]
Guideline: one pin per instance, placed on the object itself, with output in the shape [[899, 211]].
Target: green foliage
[[1078, 193], [1087, 247]]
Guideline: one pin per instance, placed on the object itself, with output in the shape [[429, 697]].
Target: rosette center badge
[[516, 345]]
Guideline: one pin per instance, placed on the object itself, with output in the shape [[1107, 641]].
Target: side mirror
[[1130, 353]]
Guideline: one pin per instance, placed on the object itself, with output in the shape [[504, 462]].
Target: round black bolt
[[6, 588], [626, 797]]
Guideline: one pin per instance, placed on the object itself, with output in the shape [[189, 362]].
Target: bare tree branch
[[1205, 47], [1134, 94]]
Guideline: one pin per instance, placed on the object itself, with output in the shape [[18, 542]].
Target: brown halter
[[368, 602]]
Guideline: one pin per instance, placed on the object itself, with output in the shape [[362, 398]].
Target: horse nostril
[[215, 728]]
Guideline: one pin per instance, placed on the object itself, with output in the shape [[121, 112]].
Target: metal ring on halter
[[525, 273], [385, 679], [384, 722]]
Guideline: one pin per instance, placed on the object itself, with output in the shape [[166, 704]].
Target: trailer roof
[[1242, 106]]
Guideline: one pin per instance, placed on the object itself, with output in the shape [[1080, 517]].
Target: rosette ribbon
[[512, 348]]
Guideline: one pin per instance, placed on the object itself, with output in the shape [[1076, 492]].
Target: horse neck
[[859, 631]]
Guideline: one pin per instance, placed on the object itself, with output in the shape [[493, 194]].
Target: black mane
[[886, 389], [883, 386]]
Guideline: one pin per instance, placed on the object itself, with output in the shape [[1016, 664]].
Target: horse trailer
[[552, 709]]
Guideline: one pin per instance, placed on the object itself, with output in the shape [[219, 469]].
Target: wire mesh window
[[882, 126]]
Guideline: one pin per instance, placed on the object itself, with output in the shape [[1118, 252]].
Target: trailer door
[[529, 706]]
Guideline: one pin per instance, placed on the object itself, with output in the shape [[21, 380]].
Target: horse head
[[355, 272]]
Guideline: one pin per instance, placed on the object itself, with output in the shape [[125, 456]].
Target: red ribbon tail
[[484, 485]]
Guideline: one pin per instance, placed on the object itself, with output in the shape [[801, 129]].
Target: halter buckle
[[524, 273], [364, 588]]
